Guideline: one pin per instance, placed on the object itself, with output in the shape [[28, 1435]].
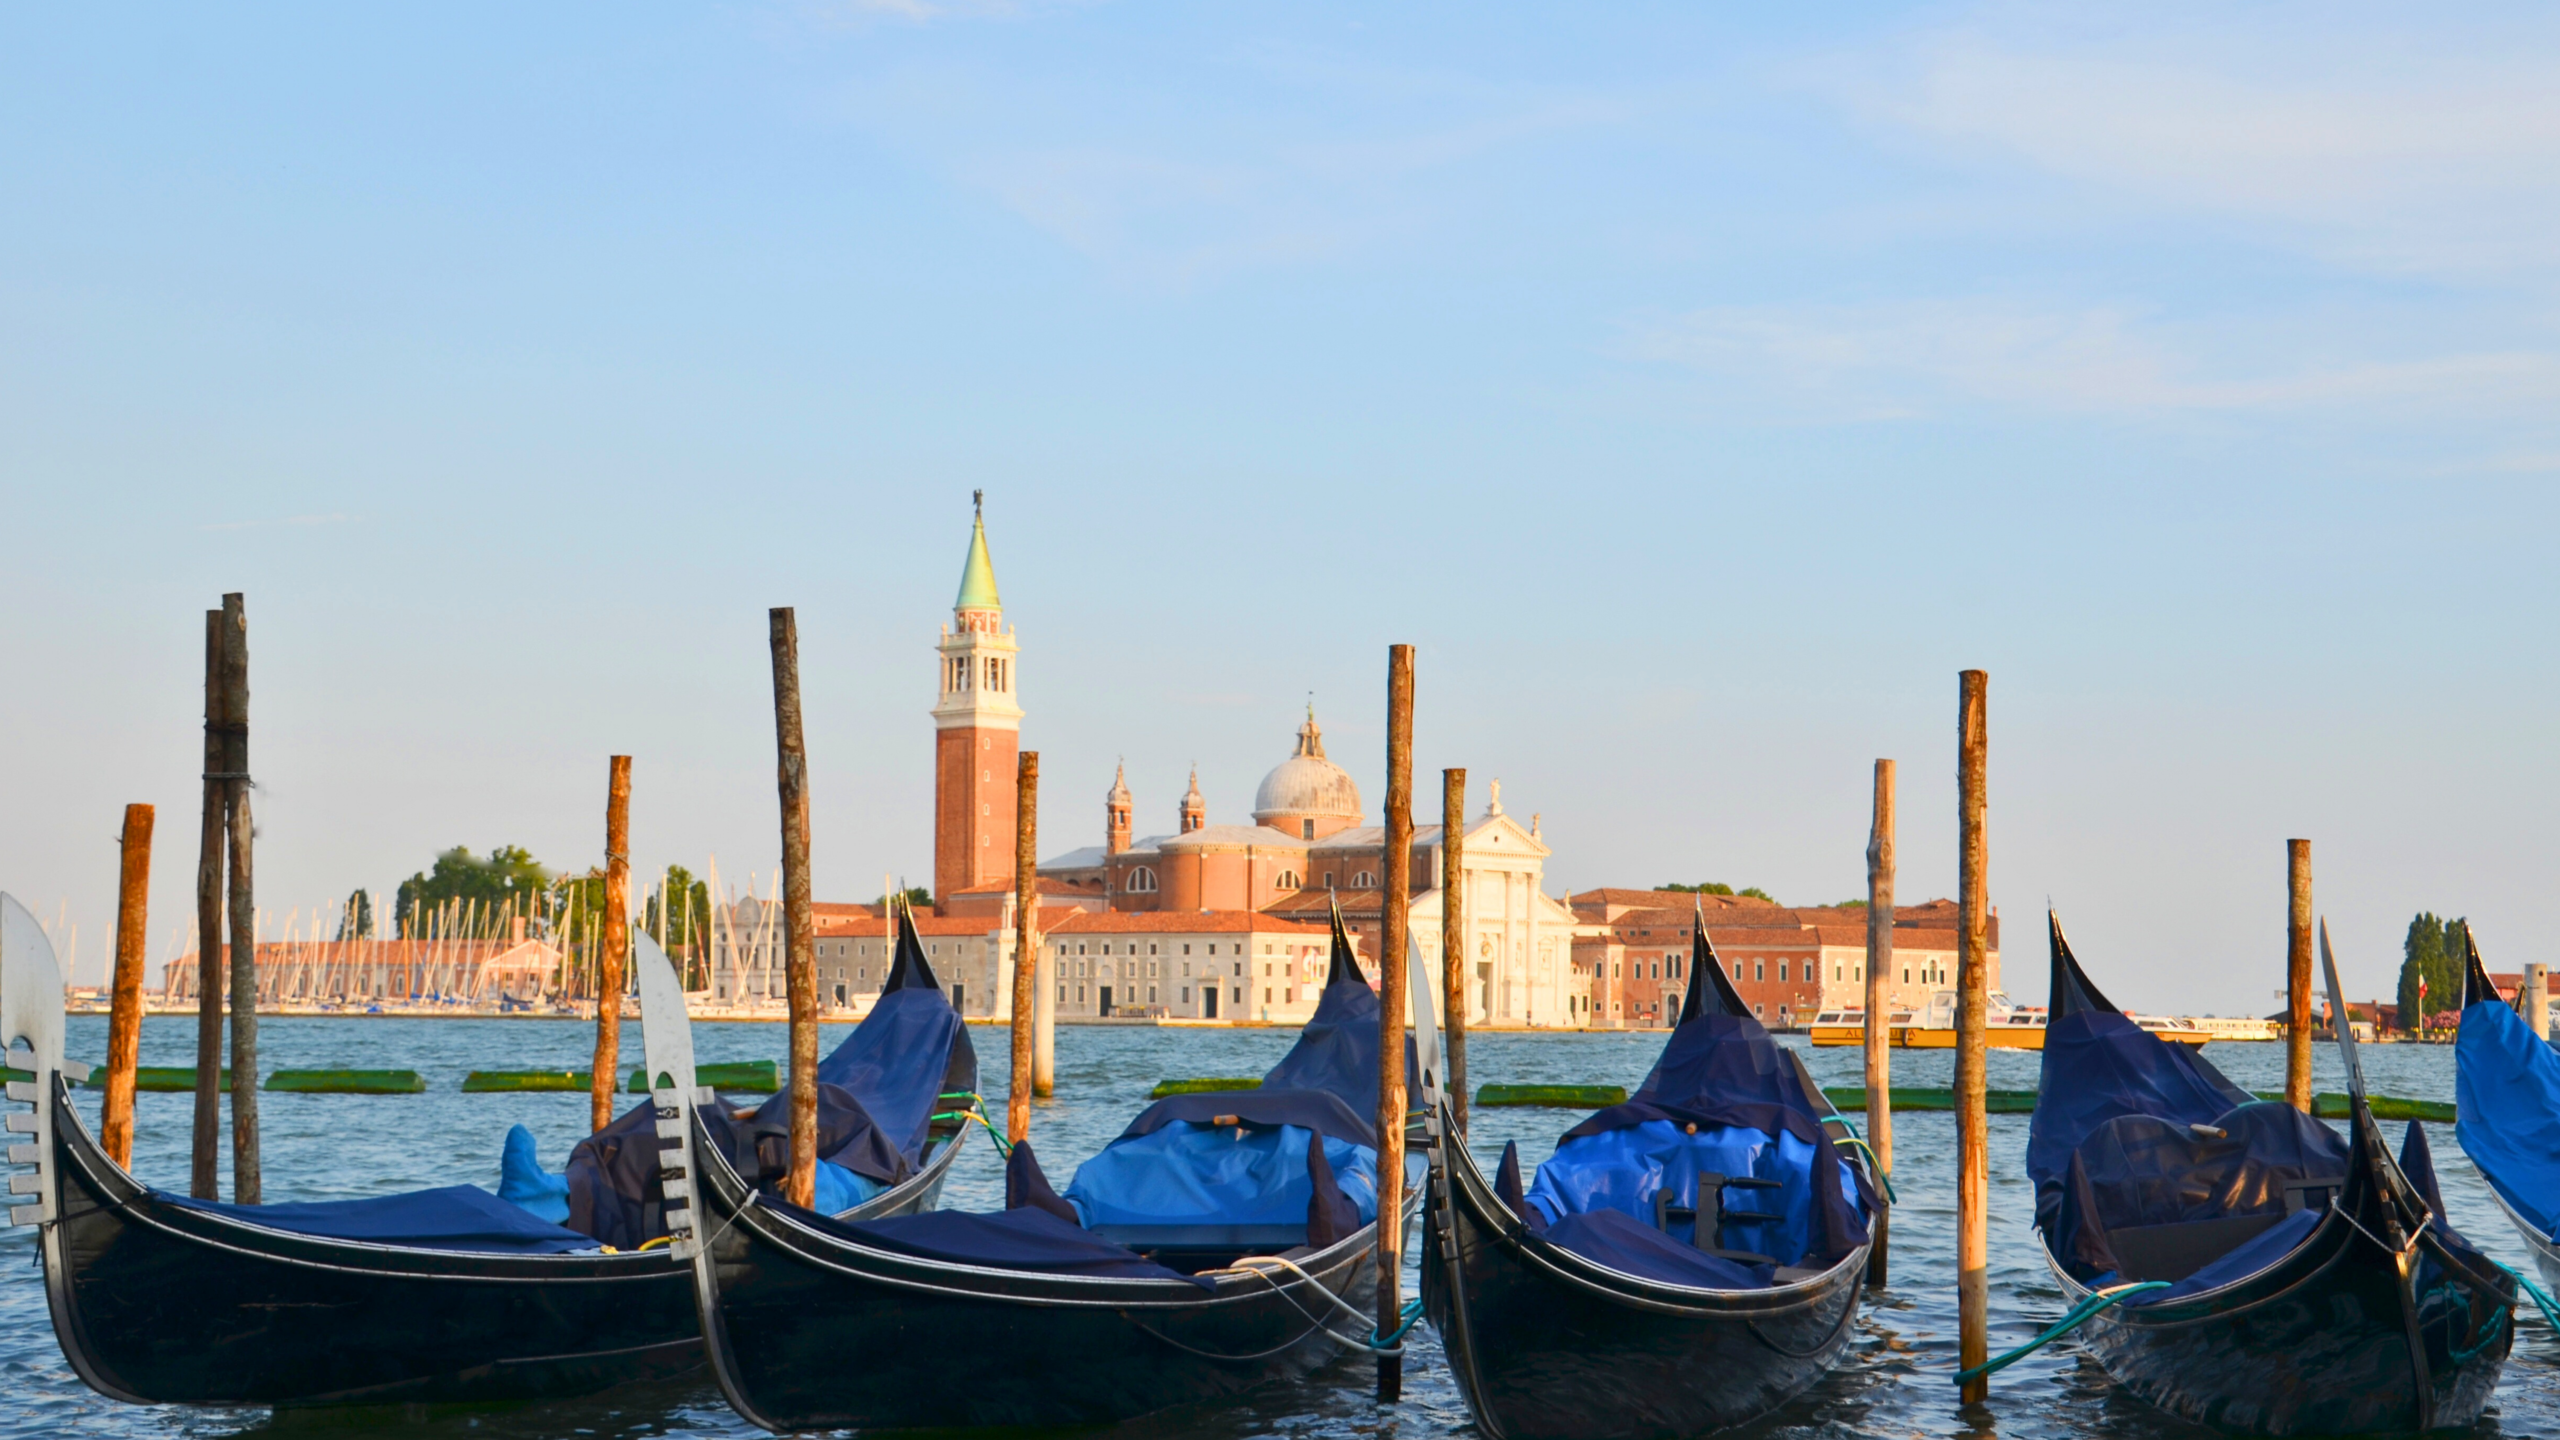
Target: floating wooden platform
[[1561, 1097], [1205, 1085], [347, 1082]]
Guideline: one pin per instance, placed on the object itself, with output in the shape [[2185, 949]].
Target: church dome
[[1306, 786]]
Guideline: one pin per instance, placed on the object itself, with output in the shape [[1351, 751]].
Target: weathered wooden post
[[1973, 1127], [1879, 1012], [1393, 917], [2297, 1012], [246, 1186], [124, 1011], [1026, 939], [205, 1158], [614, 946], [2537, 1001], [1453, 939], [799, 918]]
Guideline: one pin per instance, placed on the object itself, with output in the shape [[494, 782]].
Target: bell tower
[[1116, 808], [977, 730]]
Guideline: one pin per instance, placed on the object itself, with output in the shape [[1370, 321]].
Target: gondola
[[2306, 1283], [2507, 1107], [1691, 1259], [446, 1295], [1180, 1266]]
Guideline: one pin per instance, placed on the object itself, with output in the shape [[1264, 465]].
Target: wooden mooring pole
[[124, 1012], [1026, 940], [2537, 1001], [1879, 1013], [1453, 939], [205, 1157], [2297, 1012], [615, 944], [1393, 917], [1973, 1127], [246, 1186], [799, 915]]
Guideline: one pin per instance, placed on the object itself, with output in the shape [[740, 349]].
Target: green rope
[[1004, 1147], [1412, 1312], [2541, 1300], [2489, 1334], [2087, 1310], [1873, 1164]]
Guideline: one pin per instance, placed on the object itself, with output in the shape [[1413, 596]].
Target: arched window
[[1288, 880], [1363, 880], [1142, 881]]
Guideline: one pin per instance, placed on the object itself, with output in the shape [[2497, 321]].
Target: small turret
[[1195, 810], [1116, 809]]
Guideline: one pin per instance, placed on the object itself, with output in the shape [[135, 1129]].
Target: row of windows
[[1142, 881]]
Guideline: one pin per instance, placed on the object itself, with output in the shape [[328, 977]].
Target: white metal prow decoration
[[1426, 1026], [31, 1028], [666, 1042]]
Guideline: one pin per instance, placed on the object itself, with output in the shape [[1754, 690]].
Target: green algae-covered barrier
[[1204, 1086], [347, 1082], [1561, 1097]]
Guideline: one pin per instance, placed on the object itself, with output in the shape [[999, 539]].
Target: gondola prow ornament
[[667, 1045], [31, 1025]]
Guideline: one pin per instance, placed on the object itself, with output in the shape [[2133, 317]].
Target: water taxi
[[2007, 1025]]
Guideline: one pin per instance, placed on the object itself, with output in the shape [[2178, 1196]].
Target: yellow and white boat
[[2007, 1026]]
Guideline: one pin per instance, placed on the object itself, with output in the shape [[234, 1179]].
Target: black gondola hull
[[810, 1332], [1548, 1346], [160, 1303], [2321, 1343]]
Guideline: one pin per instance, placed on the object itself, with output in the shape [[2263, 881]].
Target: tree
[[687, 923], [913, 895], [1712, 887], [355, 922], [2430, 952], [510, 878]]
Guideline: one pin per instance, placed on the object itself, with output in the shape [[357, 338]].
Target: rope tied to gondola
[[976, 1111], [2542, 1300], [1389, 1344], [2087, 1310], [1875, 1166]]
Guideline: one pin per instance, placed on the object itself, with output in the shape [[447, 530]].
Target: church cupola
[[1195, 810], [1116, 808]]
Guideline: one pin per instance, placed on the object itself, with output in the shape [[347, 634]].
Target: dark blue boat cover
[[1319, 1110], [1632, 1247], [2141, 1170], [1723, 1097], [2506, 1089], [909, 1052], [1338, 1049], [453, 1217], [877, 1094], [2099, 1065], [1028, 1238]]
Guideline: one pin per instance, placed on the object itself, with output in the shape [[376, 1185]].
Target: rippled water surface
[[1894, 1382]]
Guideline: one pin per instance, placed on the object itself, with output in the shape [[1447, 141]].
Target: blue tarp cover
[[1753, 1115], [1025, 1239], [904, 1056], [454, 1217], [2140, 1170], [1319, 1110], [1633, 1247], [2097, 1066], [1187, 1174], [1620, 1170], [2506, 1090], [1338, 1049], [523, 1181]]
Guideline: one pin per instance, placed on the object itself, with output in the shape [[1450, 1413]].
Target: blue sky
[[1699, 391]]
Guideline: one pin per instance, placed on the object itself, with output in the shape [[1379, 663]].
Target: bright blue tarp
[[1192, 1174], [454, 1217], [1620, 1170], [523, 1181], [2506, 1089]]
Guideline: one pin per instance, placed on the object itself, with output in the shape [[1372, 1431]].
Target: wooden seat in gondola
[[1666, 1215]]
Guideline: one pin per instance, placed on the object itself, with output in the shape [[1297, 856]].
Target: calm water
[[1895, 1381]]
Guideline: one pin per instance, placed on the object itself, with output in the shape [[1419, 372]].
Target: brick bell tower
[[977, 729]]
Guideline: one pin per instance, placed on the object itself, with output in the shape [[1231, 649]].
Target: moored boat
[[1222, 1240], [2264, 1274], [1594, 1305], [445, 1295], [2507, 1107]]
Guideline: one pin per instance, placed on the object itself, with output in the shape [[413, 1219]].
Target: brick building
[[1789, 963]]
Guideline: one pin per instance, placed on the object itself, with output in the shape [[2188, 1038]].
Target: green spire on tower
[[978, 577]]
